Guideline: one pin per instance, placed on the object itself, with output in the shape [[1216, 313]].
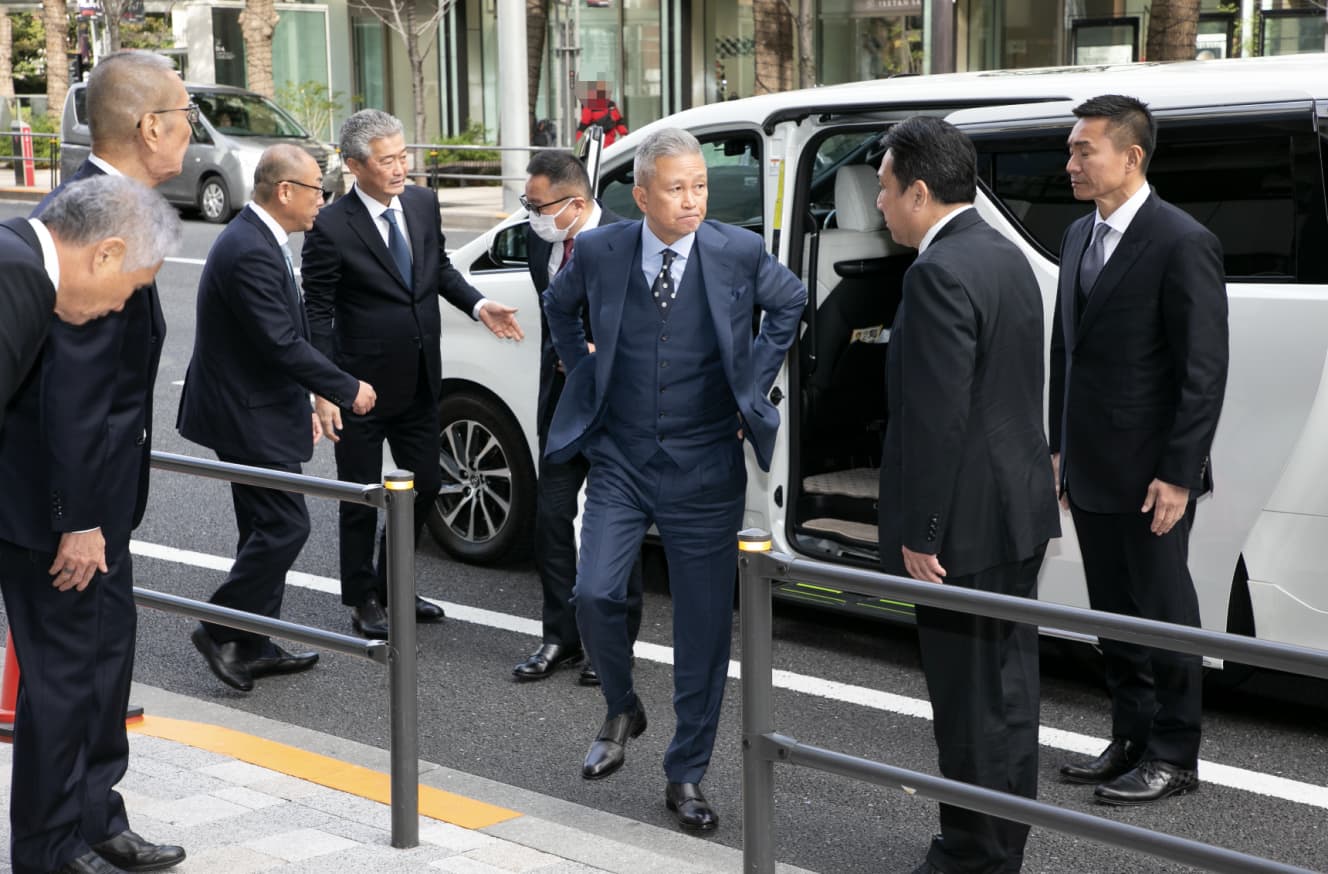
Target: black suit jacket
[[27, 300], [75, 451], [551, 379], [246, 394], [1138, 378], [361, 313], [965, 472]]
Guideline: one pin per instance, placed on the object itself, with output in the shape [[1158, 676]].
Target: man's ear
[[108, 256], [919, 194], [1134, 157], [639, 195]]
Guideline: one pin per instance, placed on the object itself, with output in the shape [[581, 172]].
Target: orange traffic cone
[[8, 691]]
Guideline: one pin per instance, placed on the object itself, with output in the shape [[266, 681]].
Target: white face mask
[[546, 228]]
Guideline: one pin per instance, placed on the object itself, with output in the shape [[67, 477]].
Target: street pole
[[514, 107], [568, 52], [402, 668]]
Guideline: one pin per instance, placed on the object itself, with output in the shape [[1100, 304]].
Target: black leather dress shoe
[[926, 868], [224, 660], [1119, 757], [690, 807], [1151, 781], [547, 659], [88, 863], [130, 852], [428, 611], [608, 751], [277, 661], [370, 619], [587, 677]]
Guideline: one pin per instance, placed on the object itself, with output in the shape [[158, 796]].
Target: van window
[[734, 163], [241, 114], [1258, 187], [81, 105]]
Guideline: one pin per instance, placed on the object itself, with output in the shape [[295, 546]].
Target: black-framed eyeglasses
[[538, 208], [323, 191], [191, 113]]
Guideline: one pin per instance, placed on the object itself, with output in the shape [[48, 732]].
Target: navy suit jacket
[[1138, 379], [246, 394], [75, 450], [26, 302], [551, 379], [739, 277], [361, 313]]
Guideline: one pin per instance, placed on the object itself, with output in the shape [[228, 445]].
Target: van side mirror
[[509, 246]]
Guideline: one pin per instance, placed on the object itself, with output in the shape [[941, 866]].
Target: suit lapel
[[621, 259], [716, 277], [1132, 245], [419, 223], [1068, 279], [363, 224]]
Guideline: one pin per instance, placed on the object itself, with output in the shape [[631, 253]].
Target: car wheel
[[486, 512], [213, 201]]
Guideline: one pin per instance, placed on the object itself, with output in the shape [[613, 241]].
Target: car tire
[[486, 513], [214, 202]]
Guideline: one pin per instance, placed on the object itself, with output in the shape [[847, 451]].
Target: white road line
[[199, 262], [1243, 779]]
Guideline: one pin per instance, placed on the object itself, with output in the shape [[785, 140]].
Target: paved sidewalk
[[193, 781]]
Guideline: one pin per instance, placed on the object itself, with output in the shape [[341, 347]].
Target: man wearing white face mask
[[559, 201]]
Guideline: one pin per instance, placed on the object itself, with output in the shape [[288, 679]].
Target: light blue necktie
[[290, 265], [396, 247]]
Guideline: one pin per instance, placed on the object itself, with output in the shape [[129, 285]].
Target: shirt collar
[[652, 246], [935, 229], [595, 217], [106, 167], [1120, 220], [50, 258], [277, 230], [376, 207]]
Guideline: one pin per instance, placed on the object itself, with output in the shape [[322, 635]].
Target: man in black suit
[[246, 396], [30, 256], [74, 457], [1138, 373], [561, 205], [671, 301], [374, 265], [967, 494]]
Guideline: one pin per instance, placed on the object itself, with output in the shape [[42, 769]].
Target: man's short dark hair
[[1129, 123], [562, 169], [938, 153]]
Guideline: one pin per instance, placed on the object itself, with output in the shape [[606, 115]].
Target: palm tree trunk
[[774, 46], [258, 22], [56, 18], [537, 24], [6, 54], [1172, 27]]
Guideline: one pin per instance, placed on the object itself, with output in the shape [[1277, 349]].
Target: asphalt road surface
[[853, 686]]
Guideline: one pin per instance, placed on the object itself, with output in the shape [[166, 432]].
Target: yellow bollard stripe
[[754, 545], [323, 770], [399, 485]]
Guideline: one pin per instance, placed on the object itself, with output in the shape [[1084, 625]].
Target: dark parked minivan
[[234, 128]]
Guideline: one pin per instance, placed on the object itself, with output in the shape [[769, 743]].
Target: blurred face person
[[898, 205], [556, 213], [673, 198], [1099, 169], [382, 175], [92, 281], [301, 197]]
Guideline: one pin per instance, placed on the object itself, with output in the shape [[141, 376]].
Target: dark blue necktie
[[396, 247]]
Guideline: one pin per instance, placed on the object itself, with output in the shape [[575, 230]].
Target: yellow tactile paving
[[323, 770]]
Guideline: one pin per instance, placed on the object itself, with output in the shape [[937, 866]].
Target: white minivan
[[1242, 146]]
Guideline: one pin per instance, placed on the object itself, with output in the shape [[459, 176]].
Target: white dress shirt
[[936, 228], [1119, 221], [592, 221], [652, 255]]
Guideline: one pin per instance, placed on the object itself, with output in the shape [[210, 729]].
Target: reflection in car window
[[247, 115]]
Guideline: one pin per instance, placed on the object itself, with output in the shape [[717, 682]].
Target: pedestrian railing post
[[754, 638], [403, 702]]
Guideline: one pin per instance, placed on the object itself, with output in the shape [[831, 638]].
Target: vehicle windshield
[[248, 115]]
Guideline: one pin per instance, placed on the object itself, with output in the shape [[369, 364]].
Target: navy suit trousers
[[698, 513], [70, 728]]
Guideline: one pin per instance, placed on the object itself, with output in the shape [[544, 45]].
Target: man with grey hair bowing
[[74, 458], [661, 410]]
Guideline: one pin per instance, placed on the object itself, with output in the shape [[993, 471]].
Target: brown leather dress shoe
[[690, 807], [130, 852], [608, 751], [1119, 757], [1151, 781]]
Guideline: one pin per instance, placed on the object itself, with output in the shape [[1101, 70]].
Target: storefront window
[[1292, 31], [299, 51], [370, 46], [730, 38], [869, 39], [228, 46]]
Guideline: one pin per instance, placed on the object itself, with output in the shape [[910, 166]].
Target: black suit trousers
[[76, 653], [412, 434], [555, 552], [982, 675], [273, 526], [1156, 695]]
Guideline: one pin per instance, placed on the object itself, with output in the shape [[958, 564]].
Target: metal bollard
[[758, 771], [403, 681]]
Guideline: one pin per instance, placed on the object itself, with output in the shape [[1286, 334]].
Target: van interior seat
[[861, 232]]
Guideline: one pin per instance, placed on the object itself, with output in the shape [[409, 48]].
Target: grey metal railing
[[48, 163], [763, 747], [396, 496], [429, 169]]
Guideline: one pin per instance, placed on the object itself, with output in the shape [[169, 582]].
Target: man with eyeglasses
[[374, 265], [247, 397], [560, 204], [72, 507]]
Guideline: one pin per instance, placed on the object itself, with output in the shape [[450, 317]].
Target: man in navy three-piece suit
[[246, 396], [661, 410]]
